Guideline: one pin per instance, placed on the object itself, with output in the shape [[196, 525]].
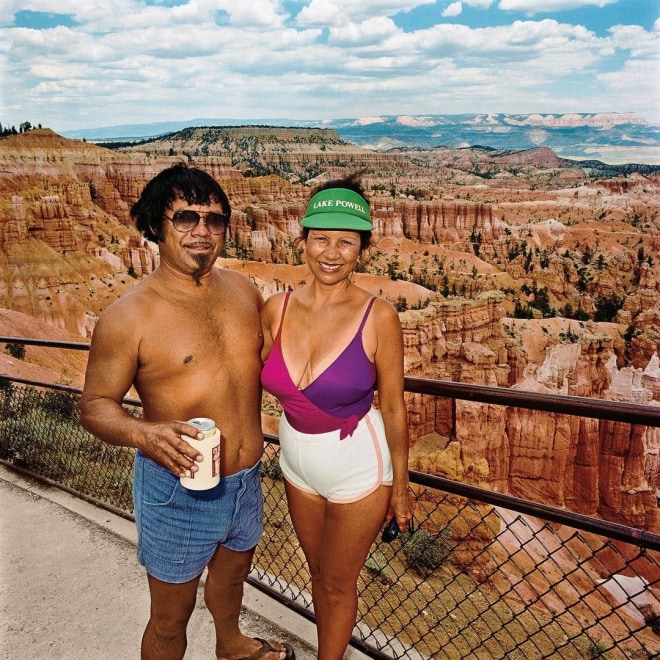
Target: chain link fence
[[481, 575]]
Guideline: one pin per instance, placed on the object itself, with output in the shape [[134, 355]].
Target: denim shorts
[[179, 530]]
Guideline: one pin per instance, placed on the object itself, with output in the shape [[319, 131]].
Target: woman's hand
[[402, 507]]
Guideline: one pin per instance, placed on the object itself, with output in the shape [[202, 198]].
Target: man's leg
[[172, 605], [223, 595]]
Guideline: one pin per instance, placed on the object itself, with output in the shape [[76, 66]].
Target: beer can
[[208, 473]]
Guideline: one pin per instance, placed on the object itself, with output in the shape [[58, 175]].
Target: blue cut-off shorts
[[179, 530]]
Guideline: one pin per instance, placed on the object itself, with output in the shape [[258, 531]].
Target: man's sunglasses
[[186, 220]]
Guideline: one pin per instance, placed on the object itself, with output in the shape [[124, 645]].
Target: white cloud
[[321, 13], [454, 9], [532, 7], [635, 86], [338, 12], [372, 31], [522, 41], [255, 13], [128, 62], [638, 41]]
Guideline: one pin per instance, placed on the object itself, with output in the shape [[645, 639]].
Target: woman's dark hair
[[350, 182], [176, 182]]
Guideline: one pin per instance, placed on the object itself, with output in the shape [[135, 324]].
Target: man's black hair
[[176, 182]]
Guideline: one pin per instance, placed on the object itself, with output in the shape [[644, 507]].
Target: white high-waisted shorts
[[342, 471]]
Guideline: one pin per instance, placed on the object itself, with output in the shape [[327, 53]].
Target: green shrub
[[25, 443], [270, 467], [425, 551], [16, 350], [61, 404], [607, 307], [595, 648]]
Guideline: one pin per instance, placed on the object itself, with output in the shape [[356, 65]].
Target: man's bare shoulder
[[234, 277], [242, 284], [120, 323], [133, 300]]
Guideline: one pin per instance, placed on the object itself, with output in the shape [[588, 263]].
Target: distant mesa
[[614, 138]]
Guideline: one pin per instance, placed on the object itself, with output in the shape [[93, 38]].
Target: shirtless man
[[188, 338]]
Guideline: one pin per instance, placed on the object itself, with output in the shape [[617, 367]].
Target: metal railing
[[483, 575]]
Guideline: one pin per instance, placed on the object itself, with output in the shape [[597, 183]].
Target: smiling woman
[[327, 346]]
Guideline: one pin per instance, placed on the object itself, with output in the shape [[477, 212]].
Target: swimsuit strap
[[286, 303], [279, 330], [366, 314]]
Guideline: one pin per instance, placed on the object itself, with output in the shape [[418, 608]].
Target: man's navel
[[187, 359]]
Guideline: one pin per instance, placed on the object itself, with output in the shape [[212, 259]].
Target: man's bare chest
[[196, 338]]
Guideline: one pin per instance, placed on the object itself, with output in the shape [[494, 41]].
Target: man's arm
[[111, 369]]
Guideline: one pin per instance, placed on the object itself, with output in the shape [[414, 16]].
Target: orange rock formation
[[458, 254]]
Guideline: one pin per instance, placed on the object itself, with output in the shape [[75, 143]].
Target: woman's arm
[[390, 383]]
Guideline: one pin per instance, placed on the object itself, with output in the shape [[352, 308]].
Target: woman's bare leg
[[336, 539]]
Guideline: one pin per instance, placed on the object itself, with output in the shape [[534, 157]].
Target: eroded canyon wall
[[68, 250]]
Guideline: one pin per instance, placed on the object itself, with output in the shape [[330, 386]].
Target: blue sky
[[93, 64]]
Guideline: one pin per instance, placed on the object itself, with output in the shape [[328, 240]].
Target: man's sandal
[[267, 647]]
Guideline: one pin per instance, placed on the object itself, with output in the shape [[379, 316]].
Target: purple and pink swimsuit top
[[337, 399]]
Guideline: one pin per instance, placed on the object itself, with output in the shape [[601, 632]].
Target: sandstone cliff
[[498, 265]]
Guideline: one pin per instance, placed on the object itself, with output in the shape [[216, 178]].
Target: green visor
[[337, 208]]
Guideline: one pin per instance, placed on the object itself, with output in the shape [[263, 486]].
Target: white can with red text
[[208, 474]]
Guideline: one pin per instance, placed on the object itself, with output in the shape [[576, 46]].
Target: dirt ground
[[71, 586]]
